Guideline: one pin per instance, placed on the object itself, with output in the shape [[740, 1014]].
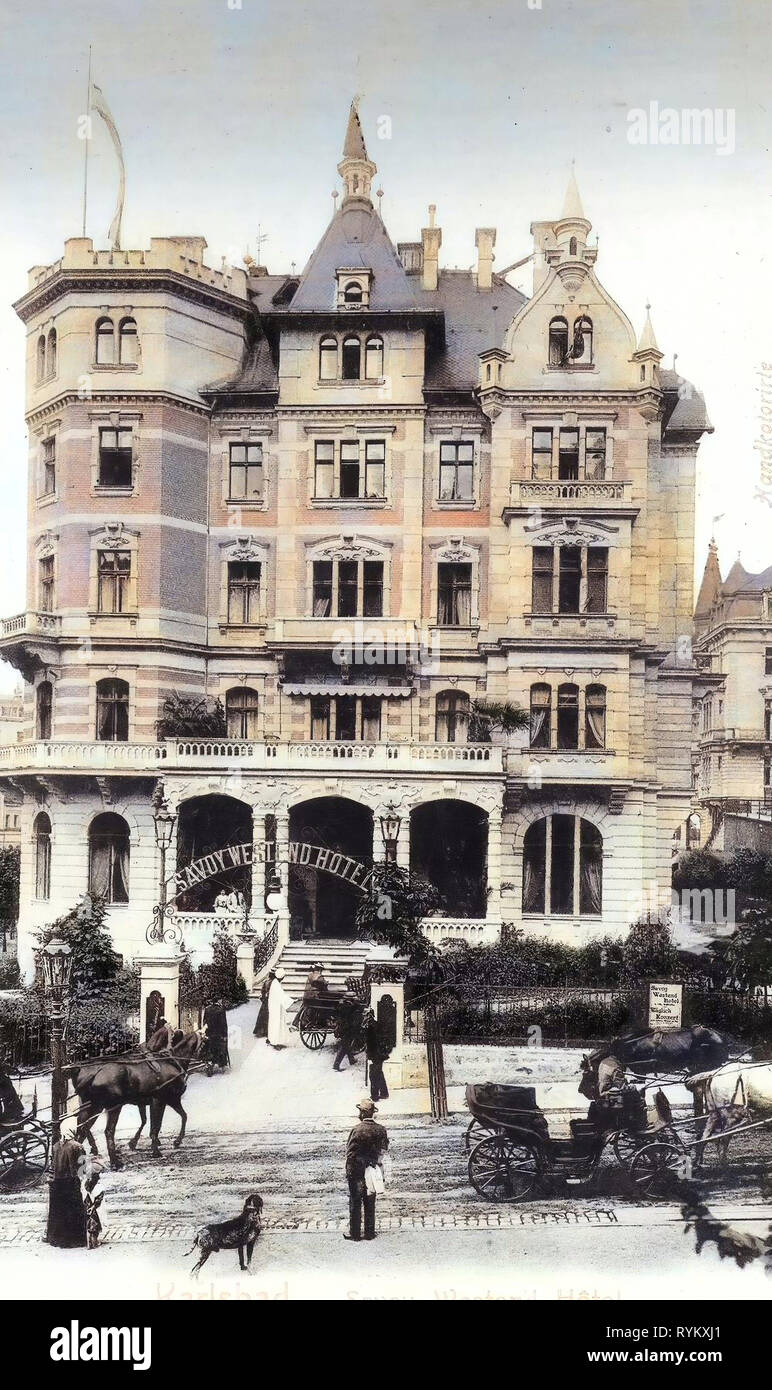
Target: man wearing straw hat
[[365, 1146]]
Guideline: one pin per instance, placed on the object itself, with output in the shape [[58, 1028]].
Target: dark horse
[[157, 1080], [684, 1049]]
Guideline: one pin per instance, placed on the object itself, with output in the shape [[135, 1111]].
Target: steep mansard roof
[[356, 238]]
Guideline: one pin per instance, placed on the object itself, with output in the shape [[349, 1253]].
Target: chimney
[[485, 240], [431, 238], [543, 234]]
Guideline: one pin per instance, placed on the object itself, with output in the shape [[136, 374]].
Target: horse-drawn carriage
[[512, 1154], [25, 1142], [318, 1017]]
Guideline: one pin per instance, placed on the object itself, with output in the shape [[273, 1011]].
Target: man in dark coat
[[261, 1022], [365, 1145], [215, 1021], [349, 1025], [378, 1050]]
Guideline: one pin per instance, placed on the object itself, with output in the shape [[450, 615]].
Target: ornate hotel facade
[[354, 505]]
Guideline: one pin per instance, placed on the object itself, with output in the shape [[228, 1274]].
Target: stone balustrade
[[209, 754], [33, 623], [584, 492], [477, 931]]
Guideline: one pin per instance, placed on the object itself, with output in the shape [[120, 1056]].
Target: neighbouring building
[[352, 504], [733, 708], [11, 724]]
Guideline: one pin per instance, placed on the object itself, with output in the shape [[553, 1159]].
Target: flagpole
[[88, 138]]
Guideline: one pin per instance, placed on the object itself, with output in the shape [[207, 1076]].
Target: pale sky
[[234, 117]]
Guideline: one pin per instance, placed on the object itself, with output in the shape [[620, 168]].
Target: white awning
[[385, 691]]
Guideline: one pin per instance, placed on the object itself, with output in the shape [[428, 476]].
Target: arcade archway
[[321, 904], [206, 824], [449, 848]]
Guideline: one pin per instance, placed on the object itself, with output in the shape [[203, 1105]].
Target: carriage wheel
[[24, 1150], [626, 1145], [473, 1134], [504, 1170], [656, 1167], [312, 1035]]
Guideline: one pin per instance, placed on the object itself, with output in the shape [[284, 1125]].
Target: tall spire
[[647, 341], [572, 203], [355, 169], [710, 588], [354, 144], [572, 227]]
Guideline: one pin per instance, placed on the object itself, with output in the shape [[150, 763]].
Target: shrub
[[9, 972], [10, 859], [95, 965], [184, 717]]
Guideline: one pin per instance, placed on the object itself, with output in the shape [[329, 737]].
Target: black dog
[[240, 1234]]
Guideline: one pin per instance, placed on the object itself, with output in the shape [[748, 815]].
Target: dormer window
[[354, 288]]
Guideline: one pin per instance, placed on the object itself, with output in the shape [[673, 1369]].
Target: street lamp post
[[164, 821], [57, 967], [390, 824]]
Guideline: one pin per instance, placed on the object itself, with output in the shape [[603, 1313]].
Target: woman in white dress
[[279, 1002]]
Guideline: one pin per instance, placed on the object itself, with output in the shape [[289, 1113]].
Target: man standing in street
[[366, 1145], [350, 1012]]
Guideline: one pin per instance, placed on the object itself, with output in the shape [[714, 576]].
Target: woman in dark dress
[[66, 1211], [261, 1022]]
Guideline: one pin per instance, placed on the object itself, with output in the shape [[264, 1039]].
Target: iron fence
[[577, 1015]]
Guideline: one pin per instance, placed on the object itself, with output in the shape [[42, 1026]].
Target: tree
[[95, 965], [10, 859], [220, 979], [748, 952], [648, 949], [503, 715], [184, 717], [393, 910]]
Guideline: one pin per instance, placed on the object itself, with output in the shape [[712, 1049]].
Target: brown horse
[[155, 1081]]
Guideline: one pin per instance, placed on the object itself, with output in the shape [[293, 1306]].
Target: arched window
[[241, 712], [595, 717], [105, 342], [563, 867], [112, 711], [581, 348], [374, 359], [42, 836], [451, 721], [541, 716], [328, 359], [693, 831], [568, 716], [41, 358], [558, 348], [51, 353], [352, 293], [352, 357], [44, 699], [108, 858], [128, 342]]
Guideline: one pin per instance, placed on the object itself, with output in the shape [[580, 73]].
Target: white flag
[[99, 105]]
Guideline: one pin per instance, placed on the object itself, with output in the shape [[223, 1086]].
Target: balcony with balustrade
[[596, 496], [212, 755]]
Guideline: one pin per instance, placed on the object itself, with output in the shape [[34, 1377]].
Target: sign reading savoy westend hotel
[[385, 668]]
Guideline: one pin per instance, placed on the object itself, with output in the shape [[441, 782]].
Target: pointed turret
[[647, 341], [710, 589], [647, 354], [355, 169], [572, 227], [572, 203]]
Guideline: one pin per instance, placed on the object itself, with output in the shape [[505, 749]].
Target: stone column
[[160, 973], [493, 909], [282, 870]]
